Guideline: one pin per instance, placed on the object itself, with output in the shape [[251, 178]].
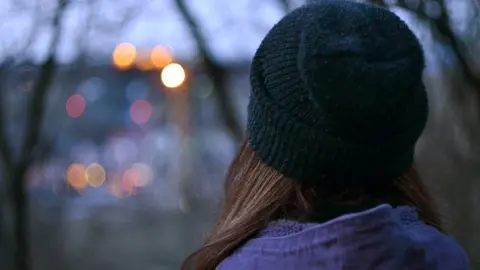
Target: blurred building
[[133, 128]]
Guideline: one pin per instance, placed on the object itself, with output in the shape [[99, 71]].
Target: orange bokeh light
[[143, 61], [95, 175], [160, 57], [124, 55], [76, 176]]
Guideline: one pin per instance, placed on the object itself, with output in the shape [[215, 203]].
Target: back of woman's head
[[336, 107], [256, 194]]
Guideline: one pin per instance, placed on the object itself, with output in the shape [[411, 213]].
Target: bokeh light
[[95, 175], [76, 176], [75, 106], [116, 189], [92, 88], [124, 55], [140, 111], [130, 177], [173, 75], [144, 174], [160, 57], [115, 182], [120, 151], [143, 61]]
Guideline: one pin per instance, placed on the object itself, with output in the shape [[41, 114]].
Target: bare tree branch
[[5, 163], [17, 172], [101, 24], [476, 3], [40, 89], [5, 149], [285, 5], [33, 31], [216, 72], [442, 25], [83, 37]]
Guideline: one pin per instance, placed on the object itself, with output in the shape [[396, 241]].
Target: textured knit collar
[[404, 214]]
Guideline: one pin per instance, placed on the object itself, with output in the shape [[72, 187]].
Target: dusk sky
[[233, 28]]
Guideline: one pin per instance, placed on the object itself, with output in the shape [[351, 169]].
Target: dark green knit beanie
[[337, 95]]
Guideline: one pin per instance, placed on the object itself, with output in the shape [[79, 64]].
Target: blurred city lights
[[121, 151], [143, 61], [95, 175], [144, 174], [115, 181], [116, 189], [92, 88], [128, 182], [140, 111], [173, 75], [160, 57], [75, 106], [76, 176], [124, 55]]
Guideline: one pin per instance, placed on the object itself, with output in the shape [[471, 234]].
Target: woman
[[325, 178]]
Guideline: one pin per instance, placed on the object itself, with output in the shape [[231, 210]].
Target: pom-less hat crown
[[337, 94]]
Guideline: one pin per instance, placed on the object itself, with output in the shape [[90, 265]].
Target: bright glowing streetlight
[[173, 75]]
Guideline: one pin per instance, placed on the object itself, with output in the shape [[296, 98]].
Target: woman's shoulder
[[395, 236], [439, 250]]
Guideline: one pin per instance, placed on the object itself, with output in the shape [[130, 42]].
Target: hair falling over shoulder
[[256, 194]]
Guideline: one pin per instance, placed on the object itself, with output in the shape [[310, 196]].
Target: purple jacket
[[381, 238]]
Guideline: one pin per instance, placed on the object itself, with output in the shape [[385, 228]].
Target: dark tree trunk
[[21, 215]]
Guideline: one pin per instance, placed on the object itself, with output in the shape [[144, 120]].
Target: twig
[[476, 3], [33, 31], [38, 99], [83, 37], [217, 72], [104, 25], [17, 174], [5, 146], [442, 24], [6, 159], [285, 5]]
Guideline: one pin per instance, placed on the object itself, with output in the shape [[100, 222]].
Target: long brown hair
[[256, 194]]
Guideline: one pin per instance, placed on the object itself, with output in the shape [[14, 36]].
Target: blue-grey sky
[[233, 28]]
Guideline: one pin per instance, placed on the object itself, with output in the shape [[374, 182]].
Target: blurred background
[[118, 119]]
